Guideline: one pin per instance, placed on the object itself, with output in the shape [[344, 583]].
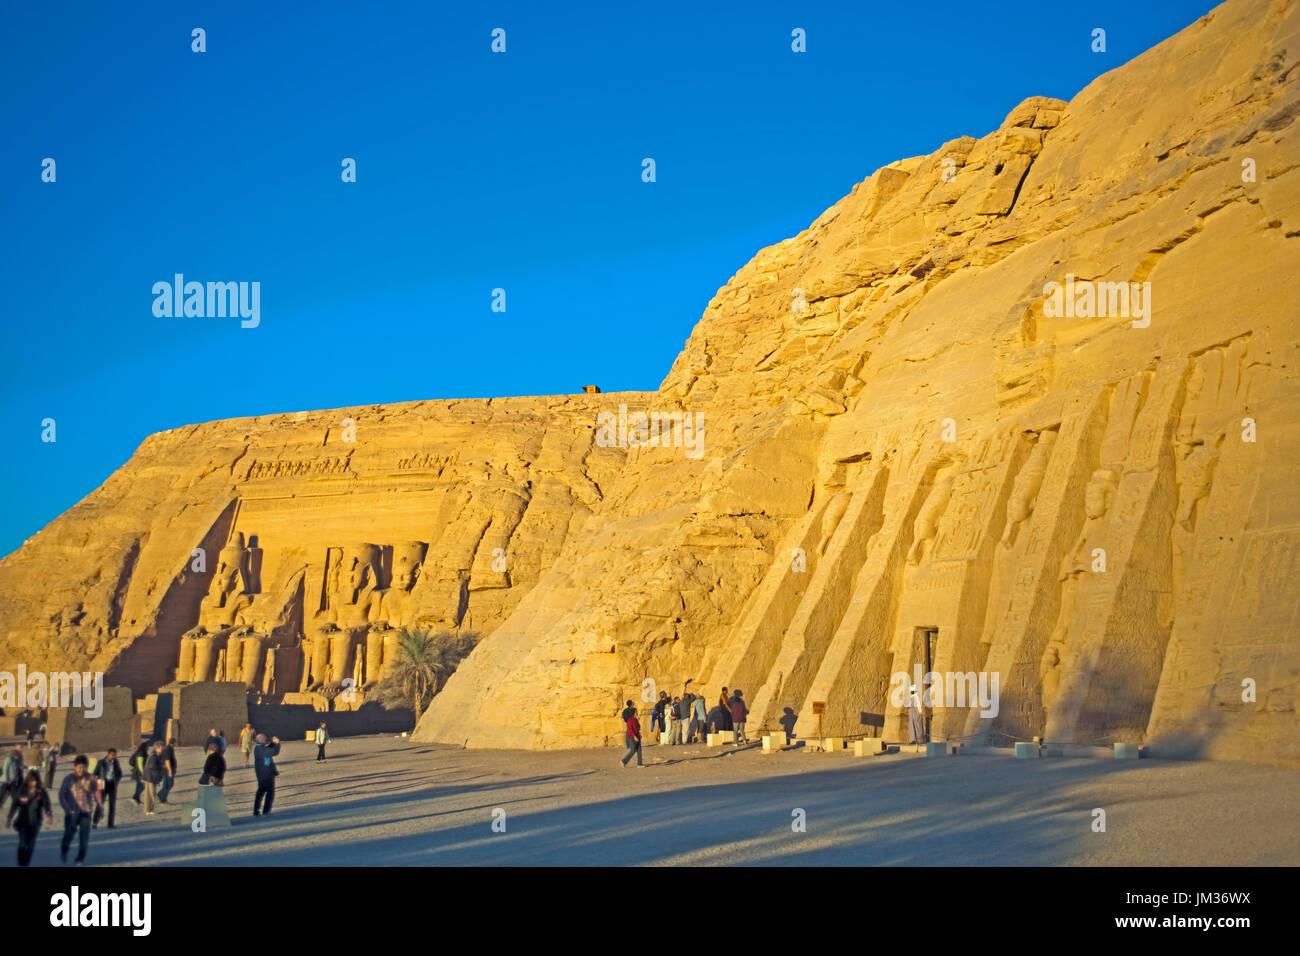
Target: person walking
[[264, 767], [51, 763], [633, 736], [154, 772], [169, 768], [322, 738], [109, 772], [738, 714], [78, 797], [137, 767], [29, 803], [246, 743], [11, 777]]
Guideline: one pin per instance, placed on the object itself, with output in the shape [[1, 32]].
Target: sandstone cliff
[[1025, 406], [892, 395], [316, 527]]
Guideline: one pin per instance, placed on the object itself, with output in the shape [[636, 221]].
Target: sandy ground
[[384, 801]]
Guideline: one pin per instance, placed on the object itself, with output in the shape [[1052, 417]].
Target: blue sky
[[475, 171]]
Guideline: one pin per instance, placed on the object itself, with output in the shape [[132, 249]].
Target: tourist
[[677, 734], [629, 709], [915, 718], [215, 736], [109, 772], [633, 736], [264, 767], [137, 767], [657, 714], [670, 719], [717, 719], [169, 765], [322, 738], [154, 772], [699, 718], [214, 767], [29, 803], [246, 743], [78, 797], [51, 763], [738, 714], [221, 741], [725, 703], [11, 778]]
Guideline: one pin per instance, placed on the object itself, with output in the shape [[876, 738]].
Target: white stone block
[[1026, 751], [868, 747]]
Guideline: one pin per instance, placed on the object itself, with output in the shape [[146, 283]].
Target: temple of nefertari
[[1026, 406]]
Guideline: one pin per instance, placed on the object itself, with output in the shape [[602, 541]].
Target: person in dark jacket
[[13, 779], [29, 804], [169, 769], [657, 714], [264, 767], [51, 763], [633, 736], [78, 797], [725, 703], [138, 760], [109, 772], [738, 714], [214, 768], [155, 769]]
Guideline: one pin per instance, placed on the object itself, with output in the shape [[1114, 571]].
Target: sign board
[[819, 707]]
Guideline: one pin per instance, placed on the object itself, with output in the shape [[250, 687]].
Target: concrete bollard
[[713, 740], [937, 748], [775, 742], [833, 744], [868, 747], [1026, 751], [1126, 751]]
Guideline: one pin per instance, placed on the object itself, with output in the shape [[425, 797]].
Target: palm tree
[[425, 659]]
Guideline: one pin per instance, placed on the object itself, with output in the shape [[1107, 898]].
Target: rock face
[[285, 551], [1021, 410], [917, 450]]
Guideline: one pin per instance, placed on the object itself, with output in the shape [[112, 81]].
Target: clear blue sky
[[475, 171]]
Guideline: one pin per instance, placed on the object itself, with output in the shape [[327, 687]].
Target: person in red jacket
[[738, 714], [633, 736]]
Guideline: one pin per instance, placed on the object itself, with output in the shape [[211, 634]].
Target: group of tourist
[[686, 720], [86, 797]]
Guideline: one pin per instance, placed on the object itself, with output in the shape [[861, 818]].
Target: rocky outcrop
[[1022, 409], [282, 550], [916, 450]]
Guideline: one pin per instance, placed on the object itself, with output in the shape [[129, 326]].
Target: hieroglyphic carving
[[300, 468]]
